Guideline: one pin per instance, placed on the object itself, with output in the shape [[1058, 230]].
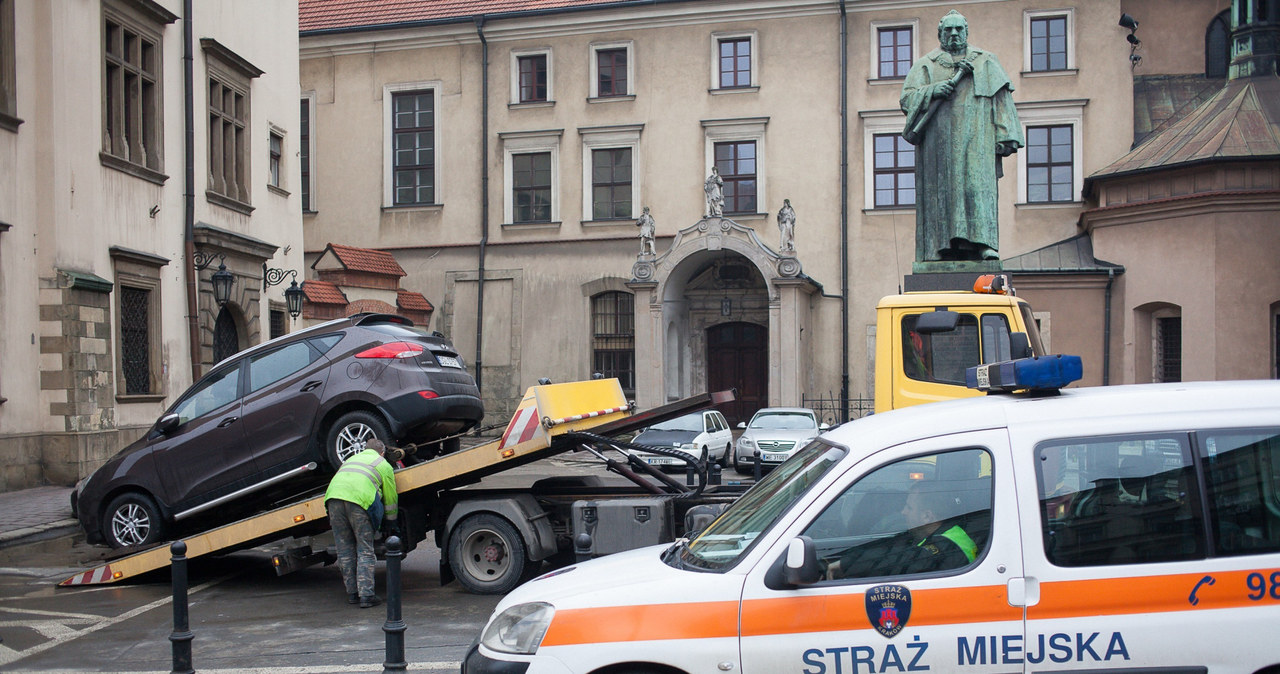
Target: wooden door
[[738, 358]]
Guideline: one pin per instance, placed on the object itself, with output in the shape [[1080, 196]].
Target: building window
[[1217, 45], [735, 63], [531, 170], [895, 171], [737, 164], [613, 337], [1050, 164], [414, 151], [132, 112], [278, 325], [1167, 345], [8, 69], [275, 153], [138, 356], [612, 76], [305, 153], [532, 71], [893, 52], [229, 132], [531, 187], [611, 184], [610, 179], [1049, 43]]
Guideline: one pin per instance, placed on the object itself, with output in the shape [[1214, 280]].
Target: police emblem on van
[[888, 608]]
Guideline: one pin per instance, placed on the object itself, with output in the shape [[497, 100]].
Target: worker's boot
[[370, 601], [353, 598]]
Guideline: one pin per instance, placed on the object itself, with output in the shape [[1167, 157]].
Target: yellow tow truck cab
[[926, 340]]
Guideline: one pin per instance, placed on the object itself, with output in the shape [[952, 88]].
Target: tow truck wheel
[[348, 434], [131, 520], [487, 554]]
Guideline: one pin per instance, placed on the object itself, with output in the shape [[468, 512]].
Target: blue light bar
[[1038, 373]]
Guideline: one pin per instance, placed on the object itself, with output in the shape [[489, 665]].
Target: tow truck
[[491, 540]]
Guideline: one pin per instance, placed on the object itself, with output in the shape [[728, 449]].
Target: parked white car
[[690, 433], [777, 432]]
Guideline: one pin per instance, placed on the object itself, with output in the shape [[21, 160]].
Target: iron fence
[[828, 408]]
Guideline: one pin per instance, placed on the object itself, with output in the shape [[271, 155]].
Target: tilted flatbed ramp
[[536, 431]]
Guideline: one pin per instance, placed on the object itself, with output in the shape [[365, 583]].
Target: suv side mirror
[[937, 321], [167, 423], [1019, 346], [742, 424], [801, 567]]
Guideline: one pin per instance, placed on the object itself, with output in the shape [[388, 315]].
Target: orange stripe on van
[[698, 620], [1143, 594]]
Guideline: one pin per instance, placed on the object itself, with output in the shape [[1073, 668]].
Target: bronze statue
[[962, 120]]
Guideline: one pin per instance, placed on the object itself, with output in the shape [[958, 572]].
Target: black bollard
[[394, 627], [688, 474], [181, 636], [713, 474], [756, 470]]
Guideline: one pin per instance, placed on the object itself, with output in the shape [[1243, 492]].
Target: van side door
[[917, 546], [1153, 549]]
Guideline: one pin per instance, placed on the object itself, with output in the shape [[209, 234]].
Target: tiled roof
[[326, 15], [367, 260], [370, 306], [1161, 100], [412, 301], [1240, 122], [322, 292]]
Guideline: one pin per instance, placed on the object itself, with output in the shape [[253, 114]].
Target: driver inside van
[[926, 546]]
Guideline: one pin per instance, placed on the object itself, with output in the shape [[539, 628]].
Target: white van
[[1124, 528]]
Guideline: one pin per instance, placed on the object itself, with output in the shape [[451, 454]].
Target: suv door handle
[[310, 385], [227, 422]]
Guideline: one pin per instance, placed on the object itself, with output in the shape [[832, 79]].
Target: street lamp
[[292, 295], [222, 279]]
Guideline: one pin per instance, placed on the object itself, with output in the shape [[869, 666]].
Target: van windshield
[[722, 543]]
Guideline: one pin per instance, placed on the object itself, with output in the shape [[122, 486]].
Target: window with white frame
[[307, 152], [735, 61], [736, 147], [610, 181], [531, 172], [1048, 45], [532, 73], [888, 161], [1050, 166], [275, 158], [411, 144], [893, 49], [612, 70]]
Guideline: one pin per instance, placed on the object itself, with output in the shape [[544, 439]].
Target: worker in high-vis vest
[[363, 480], [927, 545]]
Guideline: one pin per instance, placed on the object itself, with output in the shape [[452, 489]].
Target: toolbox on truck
[[614, 525]]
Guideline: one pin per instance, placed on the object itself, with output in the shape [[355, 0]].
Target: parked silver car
[[776, 432]]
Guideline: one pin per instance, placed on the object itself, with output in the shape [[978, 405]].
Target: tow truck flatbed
[[541, 427]]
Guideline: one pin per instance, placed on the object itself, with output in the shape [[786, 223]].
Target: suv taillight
[[392, 350]]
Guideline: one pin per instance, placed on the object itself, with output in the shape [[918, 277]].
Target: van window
[[1242, 471], [1119, 500], [926, 514]]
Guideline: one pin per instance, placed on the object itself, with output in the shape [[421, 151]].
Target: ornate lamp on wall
[[292, 295], [222, 279]]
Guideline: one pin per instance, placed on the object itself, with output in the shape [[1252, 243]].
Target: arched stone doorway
[[719, 273], [226, 336]]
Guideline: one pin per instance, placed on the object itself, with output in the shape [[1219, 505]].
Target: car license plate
[[449, 361], [775, 456], [660, 461]]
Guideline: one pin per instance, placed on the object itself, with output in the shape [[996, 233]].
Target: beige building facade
[[104, 319]]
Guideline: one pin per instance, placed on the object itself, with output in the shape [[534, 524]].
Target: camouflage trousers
[[353, 533]]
